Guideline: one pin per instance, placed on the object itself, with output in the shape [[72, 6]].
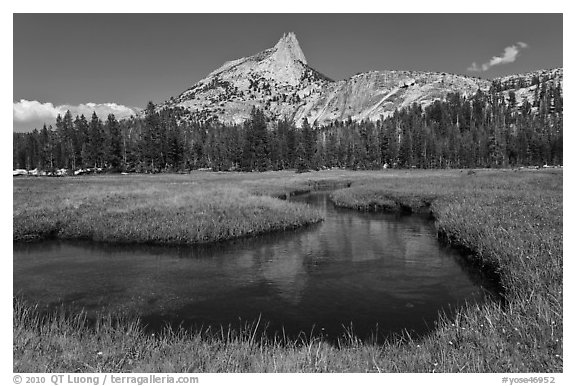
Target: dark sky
[[130, 59]]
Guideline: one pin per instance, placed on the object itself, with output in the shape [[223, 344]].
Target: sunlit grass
[[112, 210]]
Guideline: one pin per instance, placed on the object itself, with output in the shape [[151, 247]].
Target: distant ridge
[[280, 81]]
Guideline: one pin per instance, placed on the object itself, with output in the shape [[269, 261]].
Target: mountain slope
[[280, 81], [378, 93], [276, 79], [530, 86]]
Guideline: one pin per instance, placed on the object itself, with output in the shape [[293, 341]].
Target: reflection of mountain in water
[[354, 267]]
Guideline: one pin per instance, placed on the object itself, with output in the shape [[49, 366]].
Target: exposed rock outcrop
[[280, 81]]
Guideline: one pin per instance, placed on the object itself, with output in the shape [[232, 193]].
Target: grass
[[151, 210], [510, 220]]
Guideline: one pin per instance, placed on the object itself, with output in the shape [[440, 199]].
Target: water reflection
[[364, 269]]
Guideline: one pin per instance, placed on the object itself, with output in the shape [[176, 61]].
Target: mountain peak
[[279, 81], [289, 48]]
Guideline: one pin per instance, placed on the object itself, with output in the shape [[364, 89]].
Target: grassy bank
[[160, 210], [510, 220]]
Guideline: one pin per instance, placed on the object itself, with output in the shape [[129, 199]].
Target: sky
[[116, 63]]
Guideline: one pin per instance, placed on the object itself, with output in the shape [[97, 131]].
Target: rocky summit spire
[[289, 49]]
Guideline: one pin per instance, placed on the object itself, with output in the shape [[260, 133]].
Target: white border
[[294, 6]]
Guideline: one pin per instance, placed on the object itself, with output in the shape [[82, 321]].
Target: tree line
[[488, 129]]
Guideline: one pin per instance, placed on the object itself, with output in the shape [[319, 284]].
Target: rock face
[[378, 93], [525, 87], [279, 81]]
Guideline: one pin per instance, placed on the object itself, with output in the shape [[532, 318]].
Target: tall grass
[[113, 210], [511, 221]]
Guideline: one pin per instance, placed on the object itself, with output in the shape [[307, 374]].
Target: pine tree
[[45, 143], [300, 162], [256, 155], [95, 143], [291, 145], [113, 146], [68, 141], [60, 156], [260, 137], [309, 143], [81, 130], [150, 144]]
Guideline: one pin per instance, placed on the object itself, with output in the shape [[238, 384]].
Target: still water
[[376, 273]]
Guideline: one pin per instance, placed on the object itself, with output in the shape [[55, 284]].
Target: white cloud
[[508, 56], [33, 110], [474, 67], [29, 114]]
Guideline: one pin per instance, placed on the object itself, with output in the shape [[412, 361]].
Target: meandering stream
[[379, 273]]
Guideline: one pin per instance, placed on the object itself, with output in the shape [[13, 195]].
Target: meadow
[[508, 221], [161, 210]]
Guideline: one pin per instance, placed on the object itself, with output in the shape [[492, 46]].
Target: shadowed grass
[[511, 221]]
